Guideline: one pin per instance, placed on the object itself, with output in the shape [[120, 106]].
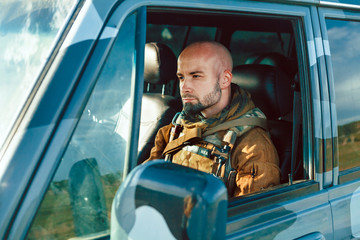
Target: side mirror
[[162, 200]]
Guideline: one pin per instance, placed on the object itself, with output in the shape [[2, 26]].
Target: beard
[[209, 100]]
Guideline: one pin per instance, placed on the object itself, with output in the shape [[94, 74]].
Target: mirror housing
[[162, 200]]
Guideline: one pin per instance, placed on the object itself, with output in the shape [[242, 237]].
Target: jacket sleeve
[[257, 162], [161, 140]]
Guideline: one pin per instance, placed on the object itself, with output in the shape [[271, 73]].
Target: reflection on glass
[[27, 31], [344, 39], [78, 201]]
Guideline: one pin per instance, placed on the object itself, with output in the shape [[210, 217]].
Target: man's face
[[199, 83]]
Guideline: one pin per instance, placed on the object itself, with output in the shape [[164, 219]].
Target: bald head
[[210, 50]]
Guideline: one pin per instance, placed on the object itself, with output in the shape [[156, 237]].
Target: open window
[[268, 52], [265, 63]]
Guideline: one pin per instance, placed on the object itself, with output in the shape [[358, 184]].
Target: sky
[[344, 39]]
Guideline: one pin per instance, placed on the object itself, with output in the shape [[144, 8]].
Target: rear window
[[344, 39], [247, 44]]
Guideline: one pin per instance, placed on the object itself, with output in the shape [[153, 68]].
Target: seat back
[[157, 109], [271, 91], [287, 65]]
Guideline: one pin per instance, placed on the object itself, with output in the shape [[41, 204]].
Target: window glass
[[344, 40], [171, 35], [201, 34], [174, 36], [79, 198], [246, 44], [27, 31]]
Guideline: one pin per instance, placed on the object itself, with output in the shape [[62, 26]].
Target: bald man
[[218, 130]]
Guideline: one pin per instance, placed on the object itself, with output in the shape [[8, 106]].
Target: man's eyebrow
[[191, 73], [196, 72]]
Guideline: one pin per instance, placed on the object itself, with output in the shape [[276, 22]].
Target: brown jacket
[[253, 150]]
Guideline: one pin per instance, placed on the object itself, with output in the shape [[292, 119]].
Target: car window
[[271, 39], [246, 44], [78, 200], [344, 39], [177, 37], [27, 32], [201, 34], [172, 35]]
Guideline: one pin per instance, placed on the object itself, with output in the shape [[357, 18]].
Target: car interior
[[265, 64]]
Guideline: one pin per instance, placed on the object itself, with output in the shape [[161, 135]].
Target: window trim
[[271, 196]]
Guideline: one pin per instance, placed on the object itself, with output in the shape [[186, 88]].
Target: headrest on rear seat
[[270, 88], [275, 59], [160, 63]]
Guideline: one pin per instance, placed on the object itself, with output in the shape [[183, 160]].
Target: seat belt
[[296, 126]]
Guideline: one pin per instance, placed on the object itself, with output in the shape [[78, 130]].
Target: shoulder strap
[[252, 121], [189, 135]]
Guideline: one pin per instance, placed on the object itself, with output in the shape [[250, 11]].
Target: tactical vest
[[210, 151]]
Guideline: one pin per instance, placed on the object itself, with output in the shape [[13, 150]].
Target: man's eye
[[196, 76]]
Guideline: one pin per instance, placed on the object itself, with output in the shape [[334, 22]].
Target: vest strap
[[190, 135], [249, 121]]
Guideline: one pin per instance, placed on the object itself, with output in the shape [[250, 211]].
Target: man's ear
[[226, 79]]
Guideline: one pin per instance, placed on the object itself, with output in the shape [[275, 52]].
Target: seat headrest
[[160, 63], [270, 88], [275, 59]]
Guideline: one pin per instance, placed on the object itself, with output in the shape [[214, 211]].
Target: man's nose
[[185, 86]]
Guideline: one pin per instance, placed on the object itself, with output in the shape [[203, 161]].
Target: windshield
[[27, 31]]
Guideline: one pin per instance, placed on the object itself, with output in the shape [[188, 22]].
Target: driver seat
[[157, 109]]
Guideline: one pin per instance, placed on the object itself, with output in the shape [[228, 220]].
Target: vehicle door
[[298, 208], [301, 207], [93, 140], [340, 33]]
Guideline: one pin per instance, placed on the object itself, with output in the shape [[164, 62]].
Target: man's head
[[204, 72]]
